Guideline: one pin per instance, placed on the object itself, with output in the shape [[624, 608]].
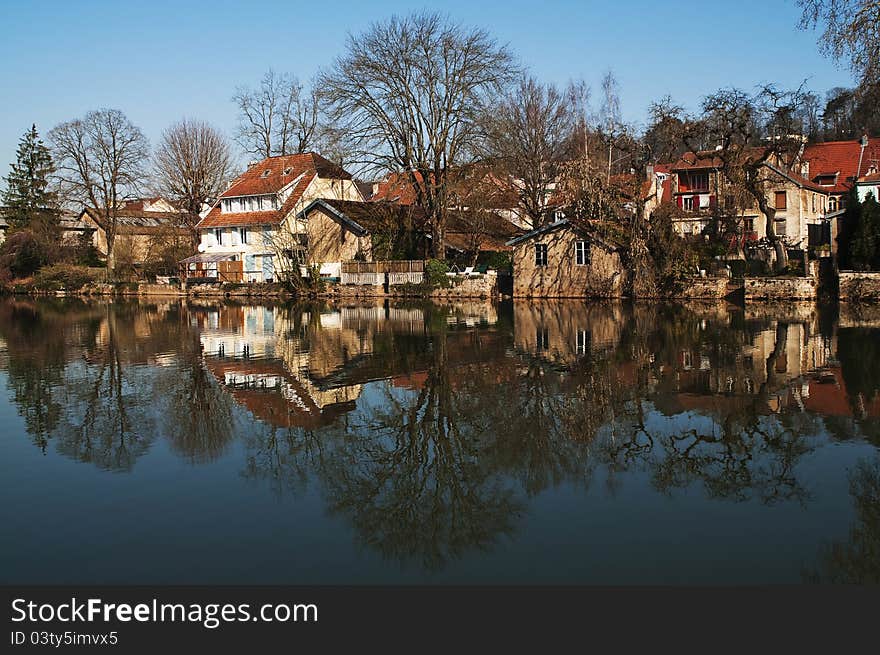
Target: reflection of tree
[[287, 458], [41, 338], [411, 478], [856, 560], [859, 354], [106, 422], [738, 464], [198, 420]]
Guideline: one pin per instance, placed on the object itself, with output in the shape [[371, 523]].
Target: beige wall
[[330, 241], [562, 277]]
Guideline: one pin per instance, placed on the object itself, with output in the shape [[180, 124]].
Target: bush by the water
[[66, 277], [435, 273]]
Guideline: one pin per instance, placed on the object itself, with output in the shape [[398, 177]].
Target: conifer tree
[[28, 195]]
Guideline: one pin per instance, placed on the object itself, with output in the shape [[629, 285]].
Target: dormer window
[[250, 204], [287, 171], [266, 173]]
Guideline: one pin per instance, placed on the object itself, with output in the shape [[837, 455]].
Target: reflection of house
[[565, 260], [253, 226], [248, 349], [563, 332]]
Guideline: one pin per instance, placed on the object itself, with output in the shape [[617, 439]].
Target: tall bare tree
[[755, 134], [100, 162], [407, 94], [192, 163], [852, 32], [279, 117], [529, 132]]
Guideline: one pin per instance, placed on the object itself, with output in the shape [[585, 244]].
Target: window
[[244, 234], [218, 236], [687, 203], [814, 202], [267, 172], [540, 254], [581, 253], [582, 342], [542, 338], [749, 225], [287, 171], [695, 181], [729, 202], [832, 204], [781, 200]]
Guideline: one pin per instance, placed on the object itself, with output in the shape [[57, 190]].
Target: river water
[[546, 442]]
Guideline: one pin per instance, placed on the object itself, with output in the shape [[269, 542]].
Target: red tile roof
[[281, 171], [873, 177], [840, 157]]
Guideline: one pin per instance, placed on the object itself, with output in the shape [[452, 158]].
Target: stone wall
[[709, 288], [859, 286], [471, 286], [781, 288]]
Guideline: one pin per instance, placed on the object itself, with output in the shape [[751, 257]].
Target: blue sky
[[159, 61]]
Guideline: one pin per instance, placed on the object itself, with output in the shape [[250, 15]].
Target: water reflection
[[429, 429]]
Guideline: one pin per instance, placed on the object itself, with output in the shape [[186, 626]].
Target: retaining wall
[[859, 286], [781, 288]]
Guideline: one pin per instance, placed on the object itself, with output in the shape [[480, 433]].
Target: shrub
[[23, 253], [435, 273], [66, 277], [316, 282]]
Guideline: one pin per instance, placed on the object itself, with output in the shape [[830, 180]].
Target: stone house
[[701, 192], [138, 232], [565, 260]]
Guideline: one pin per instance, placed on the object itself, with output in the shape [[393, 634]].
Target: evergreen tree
[[866, 243], [28, 196]]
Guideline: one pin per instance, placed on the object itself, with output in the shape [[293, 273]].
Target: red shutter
[[680, 201]]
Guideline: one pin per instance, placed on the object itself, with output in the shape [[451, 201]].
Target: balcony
[[697, 203]]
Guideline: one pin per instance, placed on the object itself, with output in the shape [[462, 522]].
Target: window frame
[[784, 205], [541, 255], [582, 254]]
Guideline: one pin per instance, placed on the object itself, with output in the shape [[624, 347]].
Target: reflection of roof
[[829, 396], [287, 406]]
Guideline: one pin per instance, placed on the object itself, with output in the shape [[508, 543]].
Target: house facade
[[138, 232], [700, 190], [252, 231], [563, 260]]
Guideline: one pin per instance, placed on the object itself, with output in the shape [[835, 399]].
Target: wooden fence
[[377, 273], [221, 271]]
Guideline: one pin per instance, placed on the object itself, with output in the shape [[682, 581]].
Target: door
[[268, 268]]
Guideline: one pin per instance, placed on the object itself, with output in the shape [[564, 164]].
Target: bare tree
[[851, 32], [100, 162], [755, 133], [529, 132], [280, 117], [192, 163], [407, 93], [610, 123]]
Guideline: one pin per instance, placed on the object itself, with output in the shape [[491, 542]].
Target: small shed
[[567, 260]]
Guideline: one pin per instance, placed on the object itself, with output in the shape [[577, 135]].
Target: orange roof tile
[[840, 157], [269, 177]]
